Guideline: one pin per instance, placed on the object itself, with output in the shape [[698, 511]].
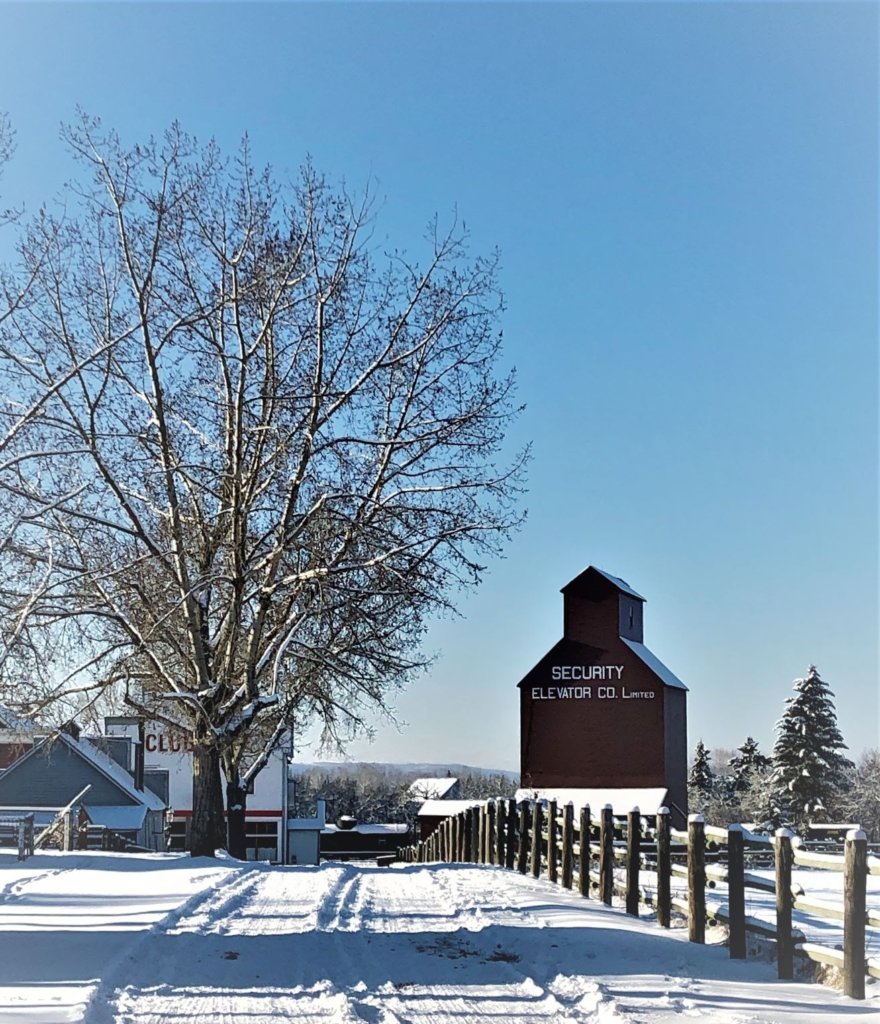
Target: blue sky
[[685, 197]]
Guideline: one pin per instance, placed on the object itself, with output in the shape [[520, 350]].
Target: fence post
[[664, 869], [736, 893], [537, 826], [633, 858], [696, 878], [522, 853], [500, 831], [489, 838], [606, 855], [784, 943], [510, 852], [584, 860], [567, 843], [71, 828], [855, 881], [552, 838]]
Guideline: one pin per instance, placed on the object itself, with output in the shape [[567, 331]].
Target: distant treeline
[[372, 795]]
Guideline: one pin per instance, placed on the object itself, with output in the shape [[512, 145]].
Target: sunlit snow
[[125, 939]]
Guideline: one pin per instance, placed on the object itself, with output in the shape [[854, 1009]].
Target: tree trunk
[[236, 806], [206, 832]]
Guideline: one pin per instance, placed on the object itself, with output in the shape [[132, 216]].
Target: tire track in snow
[[101, 1004], [269, 909], [333, 908], [342, 944], [435, 918]]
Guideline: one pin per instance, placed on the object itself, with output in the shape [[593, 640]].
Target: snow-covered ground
[[821, 885], [116, 939]]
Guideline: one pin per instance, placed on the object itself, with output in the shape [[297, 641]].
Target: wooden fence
[[579, 851], [18, 831]]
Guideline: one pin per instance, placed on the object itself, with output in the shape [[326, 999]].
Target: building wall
[[677, 753], [11, 749], [588, 621], [609, 738], [52, 776], [169, 750], [631, 618]]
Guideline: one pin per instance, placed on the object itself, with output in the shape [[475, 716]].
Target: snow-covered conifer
[[749, 763], [701, 779], [809, 772]]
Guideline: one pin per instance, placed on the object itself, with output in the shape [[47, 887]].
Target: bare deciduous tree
[[245, 453]]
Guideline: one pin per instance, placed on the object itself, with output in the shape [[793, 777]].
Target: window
[[261, 839], [177, 836]]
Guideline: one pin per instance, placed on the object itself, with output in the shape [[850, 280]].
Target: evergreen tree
[[701, 780], [809, 772], [747, 765]]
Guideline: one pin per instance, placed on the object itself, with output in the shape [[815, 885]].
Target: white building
[[167, 770]]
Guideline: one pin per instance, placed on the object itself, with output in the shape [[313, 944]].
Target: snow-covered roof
[[106, 765], [446, 808], [10, 720], [615, 581], [654, 664], [648, 800], [432, 789], [618, 582], [126, 818], [305, 824], [392, 828]]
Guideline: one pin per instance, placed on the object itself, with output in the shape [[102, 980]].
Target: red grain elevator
[[600, 712]]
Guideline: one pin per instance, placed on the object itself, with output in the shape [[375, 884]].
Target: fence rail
[[18, 831], [576, 850]]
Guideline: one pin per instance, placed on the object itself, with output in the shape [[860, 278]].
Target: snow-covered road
[[144, 940]]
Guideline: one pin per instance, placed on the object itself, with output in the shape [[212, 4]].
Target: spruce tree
[[809, 771], [749, 764], [701, 780]]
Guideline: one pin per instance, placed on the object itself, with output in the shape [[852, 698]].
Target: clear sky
[[685, 197]]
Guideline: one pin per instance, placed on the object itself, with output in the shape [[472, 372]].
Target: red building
[[600, 712]]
